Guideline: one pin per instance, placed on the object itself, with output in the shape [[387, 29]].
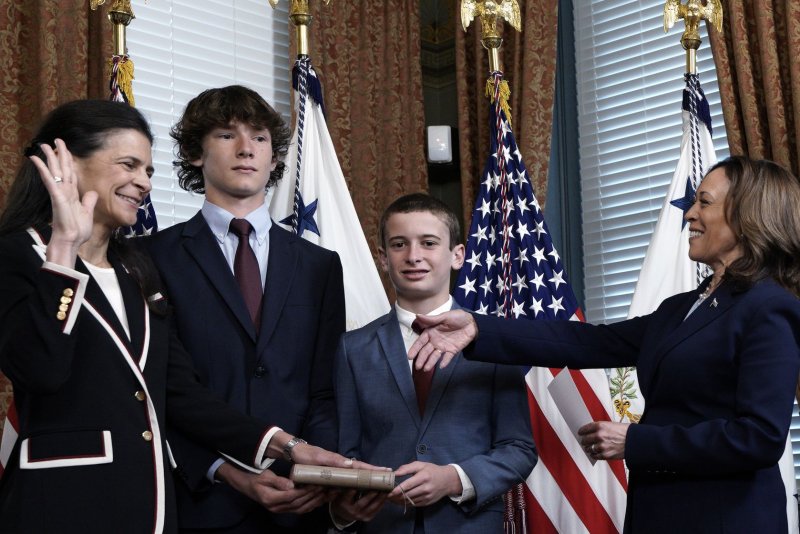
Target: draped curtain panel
[[528, 61], [367, 55], [53, 51], [759, 78]]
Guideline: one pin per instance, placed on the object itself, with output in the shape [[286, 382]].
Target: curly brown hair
[[215, 108]]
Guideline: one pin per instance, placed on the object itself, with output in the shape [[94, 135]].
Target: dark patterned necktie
[[246, 271], [422, 379]]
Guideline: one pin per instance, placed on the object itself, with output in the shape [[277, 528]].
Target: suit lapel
[[98, 306], [391, 341], [712, 308], [94, 295], [199, 242], [135, 309], [281, 268], [441, 379]]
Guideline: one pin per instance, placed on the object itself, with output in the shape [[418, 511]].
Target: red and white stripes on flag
[[567, 493], [512, 269]]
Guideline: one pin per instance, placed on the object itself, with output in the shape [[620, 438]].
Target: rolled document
[[361, 479]]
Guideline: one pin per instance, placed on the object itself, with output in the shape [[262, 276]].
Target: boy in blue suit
[[266, 347], [457, 440]]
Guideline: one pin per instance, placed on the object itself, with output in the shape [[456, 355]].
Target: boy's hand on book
[[428, 483], [275, 493]]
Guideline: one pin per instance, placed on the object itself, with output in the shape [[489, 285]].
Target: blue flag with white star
[[667, 269], [312, 200]]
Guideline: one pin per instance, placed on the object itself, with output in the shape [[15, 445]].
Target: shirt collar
[[405, 317], [219, 220]]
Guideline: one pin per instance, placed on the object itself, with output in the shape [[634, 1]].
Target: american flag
[[513, 270]]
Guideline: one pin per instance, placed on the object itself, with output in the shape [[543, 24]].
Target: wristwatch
[[291, 444]]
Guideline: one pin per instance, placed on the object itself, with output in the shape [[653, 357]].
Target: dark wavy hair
[[416, 202], [763, 209], [215, 108], [84, 126]]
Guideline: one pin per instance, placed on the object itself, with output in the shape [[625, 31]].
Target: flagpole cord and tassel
[[301, 69], [502, 97], [120, 66], [300, 16], [497, 89], [693, 13]]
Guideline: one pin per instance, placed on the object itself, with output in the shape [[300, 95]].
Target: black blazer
[[719, 388], [93, 405], [284, 375]]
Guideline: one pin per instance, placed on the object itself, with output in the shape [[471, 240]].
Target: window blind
[[182, 47], [629, 86]]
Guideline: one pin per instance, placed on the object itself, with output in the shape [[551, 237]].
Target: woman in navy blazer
[[718, 366], [86, 339]]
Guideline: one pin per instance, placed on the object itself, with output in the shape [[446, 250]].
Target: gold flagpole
[[692, 13], [120, 65], [301, 17], [489, 12]]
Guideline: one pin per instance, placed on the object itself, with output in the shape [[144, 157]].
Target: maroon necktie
[[422, 379], [246, 271]]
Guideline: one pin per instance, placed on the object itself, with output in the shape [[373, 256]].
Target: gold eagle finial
[[121, 6], [693, 12], [297, 6], [489, 10]]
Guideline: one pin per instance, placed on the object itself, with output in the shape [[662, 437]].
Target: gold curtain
[[53, 51], [759, 78], [367, 55], [528, 60]]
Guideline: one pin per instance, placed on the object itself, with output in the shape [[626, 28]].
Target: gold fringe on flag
[[121, 77], [505, 94]]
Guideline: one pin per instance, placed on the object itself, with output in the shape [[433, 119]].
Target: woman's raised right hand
[[72, 215]]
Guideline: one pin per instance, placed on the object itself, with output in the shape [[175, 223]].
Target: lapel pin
[[714, 303]]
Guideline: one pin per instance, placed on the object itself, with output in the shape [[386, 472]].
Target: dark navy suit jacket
[[283, 375], [476, 416], [719, 389]]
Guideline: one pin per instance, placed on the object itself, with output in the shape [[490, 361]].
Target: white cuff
[[211, 474], [260, 461], [467, 488]]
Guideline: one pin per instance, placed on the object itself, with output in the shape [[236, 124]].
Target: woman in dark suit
[[717, 366], [85, 338]]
